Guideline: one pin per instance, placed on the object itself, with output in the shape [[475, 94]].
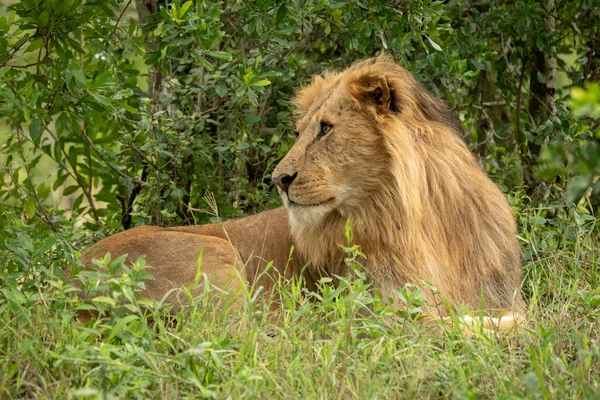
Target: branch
[[123, 175], [127, 204], [77, 177], [120, 16], [17, 48], [520, 138], [25, 165]]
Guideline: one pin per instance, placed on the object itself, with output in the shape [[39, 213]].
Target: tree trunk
[[145, 9], [542, 89]]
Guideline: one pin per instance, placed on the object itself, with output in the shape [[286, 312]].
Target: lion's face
[[339, 156], [354, 130]]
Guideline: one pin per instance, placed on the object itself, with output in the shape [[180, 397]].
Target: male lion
[[373, 146]]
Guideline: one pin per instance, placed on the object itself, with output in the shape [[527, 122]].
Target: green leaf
[[199, 267], [205, 63], [70, 189], [106, 300], [102, 100], [537, 220], [222, 55], [127, 107], [477, 64], [120, 325], [107, 196], [61, 178], [221, 90], [153, 58], [434, 44], [43, 190], [34, 45], [47, 245], [262, 82], [104, 80], [74, 71], [173, 12], [77, 202], [42, 20], [29, 209], [281, 14], [252, 118], [35, 129], [577, 187], [184, 8]]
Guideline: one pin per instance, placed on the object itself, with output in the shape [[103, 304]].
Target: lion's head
[[374, 146], [350, 128]]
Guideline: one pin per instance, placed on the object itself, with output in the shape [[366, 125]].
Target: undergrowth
[[343, 341]]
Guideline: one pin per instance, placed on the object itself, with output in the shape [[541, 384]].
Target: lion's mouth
[[294, 203]]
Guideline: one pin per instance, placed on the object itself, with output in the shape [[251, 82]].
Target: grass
[[329, 348]]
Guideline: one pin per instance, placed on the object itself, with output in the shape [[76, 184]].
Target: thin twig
[[25, 65], [519, 136], [88, 192], [17, 48], [25, 165], [123, 175], [119, 19], [77, 177], [49, 154]]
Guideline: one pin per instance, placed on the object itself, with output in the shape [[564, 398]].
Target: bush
[[126, 122]]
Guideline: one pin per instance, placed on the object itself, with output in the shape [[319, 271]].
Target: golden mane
[[434, 216]]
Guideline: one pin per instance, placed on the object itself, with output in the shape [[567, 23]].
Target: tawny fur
[[419, 205], [174, 258]]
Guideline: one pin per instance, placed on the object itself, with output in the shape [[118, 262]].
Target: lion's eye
[[325, 129], [296, 134]]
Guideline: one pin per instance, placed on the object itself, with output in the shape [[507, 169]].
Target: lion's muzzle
[[285, 180]]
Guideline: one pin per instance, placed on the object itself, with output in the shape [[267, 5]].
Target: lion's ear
[[374, 90]]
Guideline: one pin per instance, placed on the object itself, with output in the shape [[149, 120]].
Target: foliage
[[580, 145], [219, 116], [134, 123]]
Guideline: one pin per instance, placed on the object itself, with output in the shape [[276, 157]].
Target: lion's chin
[[307, 215]]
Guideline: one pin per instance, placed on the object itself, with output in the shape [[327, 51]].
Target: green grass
[[330, 348]]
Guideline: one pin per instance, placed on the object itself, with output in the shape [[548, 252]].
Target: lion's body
[[174, 257], [376, 148], [233, 252]]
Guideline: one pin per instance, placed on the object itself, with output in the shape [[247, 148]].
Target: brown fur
[[174, 257], [419, 205], [233, 253]]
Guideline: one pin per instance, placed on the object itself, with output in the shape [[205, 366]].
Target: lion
[[374, 148]]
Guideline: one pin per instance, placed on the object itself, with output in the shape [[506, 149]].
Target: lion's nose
[[285, 180]]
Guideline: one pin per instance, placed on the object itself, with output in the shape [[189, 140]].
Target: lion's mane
[[427, 211]]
